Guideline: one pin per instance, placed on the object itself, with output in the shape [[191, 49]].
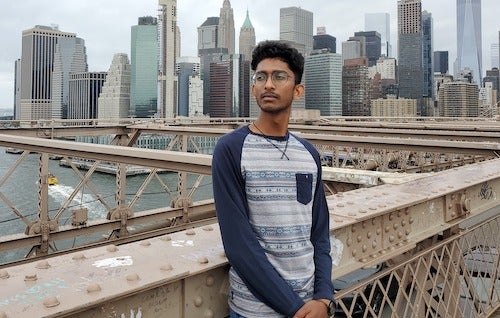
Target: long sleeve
[[243, 250]]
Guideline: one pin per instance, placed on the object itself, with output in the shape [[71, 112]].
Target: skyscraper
[[296, 25], [226, 27], [169, 51], [380, 22], [229, 86], [410, 74], [114, 100], [323, 79], [495, 55], [247, 39], [427, 52], [458, 99], [322, 40], [190, 86], [469, 38], [208, 35], [441, 62], [371, 43], [70, 57], [37, 70], [144, 68], [84, 91], [355, 87]]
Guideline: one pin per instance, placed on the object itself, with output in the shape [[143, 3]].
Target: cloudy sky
[[105, 24]]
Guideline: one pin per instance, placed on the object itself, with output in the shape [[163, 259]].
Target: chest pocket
[[304, 187]]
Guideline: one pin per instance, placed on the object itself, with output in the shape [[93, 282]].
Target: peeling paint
[[337, 247], [114, 262]]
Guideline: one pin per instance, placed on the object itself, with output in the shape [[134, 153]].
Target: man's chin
[[272, 109]]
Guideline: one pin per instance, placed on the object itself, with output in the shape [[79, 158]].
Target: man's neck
[[273, 125]]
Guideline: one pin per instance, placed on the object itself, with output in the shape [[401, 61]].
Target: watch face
[[331, 308]]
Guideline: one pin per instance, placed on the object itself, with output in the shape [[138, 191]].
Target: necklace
[[283, 152]]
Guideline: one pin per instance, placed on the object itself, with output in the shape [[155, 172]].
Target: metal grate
[[456, 277]]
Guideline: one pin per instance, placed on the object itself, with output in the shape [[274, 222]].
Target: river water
[[21, 189]]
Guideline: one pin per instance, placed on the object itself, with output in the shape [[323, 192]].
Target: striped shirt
[[274, 222]]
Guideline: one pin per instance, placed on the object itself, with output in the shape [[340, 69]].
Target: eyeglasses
[[278, 78]]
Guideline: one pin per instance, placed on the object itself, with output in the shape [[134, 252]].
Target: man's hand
[[312, 309]]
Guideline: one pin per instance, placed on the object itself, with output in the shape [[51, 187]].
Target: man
[[270, 201]]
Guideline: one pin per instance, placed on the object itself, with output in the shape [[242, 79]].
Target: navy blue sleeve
[[242, 248], [320, 236]]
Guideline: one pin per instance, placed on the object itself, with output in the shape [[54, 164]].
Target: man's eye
[[260, 77], [280, 77]]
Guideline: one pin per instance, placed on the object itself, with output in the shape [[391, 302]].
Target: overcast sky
[[105, 24]]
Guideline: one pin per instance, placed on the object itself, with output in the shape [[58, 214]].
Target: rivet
[[190, 232], [411, 220], [92, 288], [4, 274], [363, 224], [78, 257], [166, 267], [451, 186], [208, 314], [387, 228], [382, 205], [52, 227], [208, 228], [395, 226], [350, 202], [385, 193], [364, 248], [359, 238], [363, 260], [198, 301], [403, 223], [391, 238], [111, 248], [36, 229], [210, 280], [453, 214], [354, 253], [42, 265], [378, 231], [351, 214], [408, 232], [349, 242], [362, 211], [374, 221], [374, 244], [400, 235], [391, 216], [166, 238], [30, 277], [353, 228], [51, 301], [145, 243], [203, 260], [369, 235], [132, 277], [373, 208], [340, 205], [399, 214]]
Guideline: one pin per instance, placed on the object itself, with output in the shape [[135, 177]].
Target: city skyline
[[116, 18]]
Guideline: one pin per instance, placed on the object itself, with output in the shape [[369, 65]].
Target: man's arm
[[242, 248], [320, 238]]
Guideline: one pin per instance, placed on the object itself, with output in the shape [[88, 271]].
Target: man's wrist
[[330, 306]]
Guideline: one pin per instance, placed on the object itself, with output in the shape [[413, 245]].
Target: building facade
[[70, 57], [356, 86], [393, 107], [469, 39], [323, 80], [381, 23], [38, 59], [458, 99], [84, 91], [247, 40], [144, 54], [114, 100], [296, 25], [410, 74], [440, 62], [226, 27], [372, 45], [322, 40], [427, 55], [190, 94], [229, 86], [169, 52]]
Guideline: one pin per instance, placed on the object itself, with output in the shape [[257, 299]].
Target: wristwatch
[[330, 306]]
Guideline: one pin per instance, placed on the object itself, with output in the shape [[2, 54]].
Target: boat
[[51, 179]]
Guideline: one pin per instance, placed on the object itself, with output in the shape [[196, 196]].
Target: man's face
[[274, 86]]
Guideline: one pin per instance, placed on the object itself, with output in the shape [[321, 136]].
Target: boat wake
[[60, 193]]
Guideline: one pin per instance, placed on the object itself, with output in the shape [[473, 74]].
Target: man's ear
[[298, 91]]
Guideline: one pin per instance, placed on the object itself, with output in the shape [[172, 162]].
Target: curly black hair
[[282, 51]]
